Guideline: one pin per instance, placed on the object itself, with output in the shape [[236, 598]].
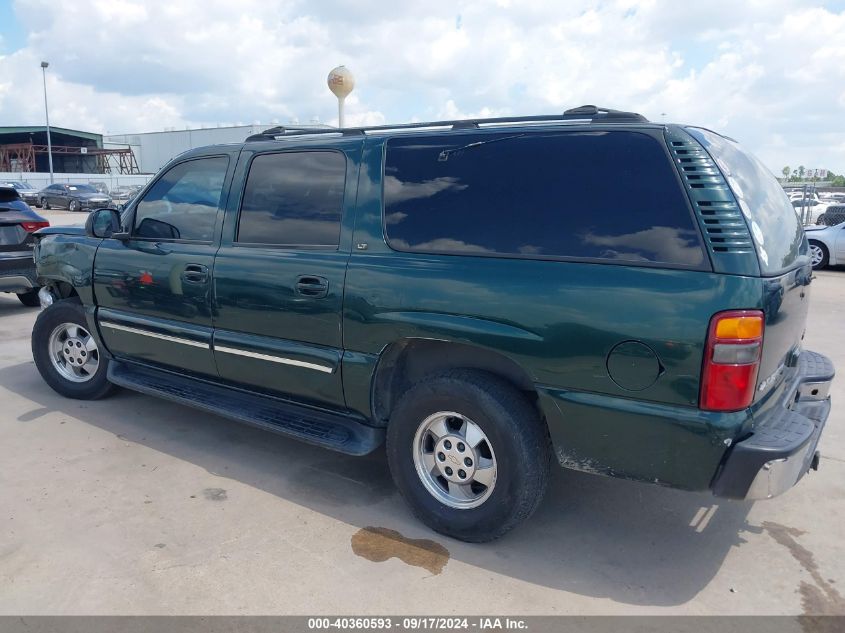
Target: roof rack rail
[[275, 132], [592, 113], [597, 113]]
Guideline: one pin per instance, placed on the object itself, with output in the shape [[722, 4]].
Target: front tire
[[66, 355], [819, 255], [29, 299], [469, 453], [73, 205]]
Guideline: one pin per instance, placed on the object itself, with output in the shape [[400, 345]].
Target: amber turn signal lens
[[743, 327]]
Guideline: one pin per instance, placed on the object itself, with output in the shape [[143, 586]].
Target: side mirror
[[104, 223]]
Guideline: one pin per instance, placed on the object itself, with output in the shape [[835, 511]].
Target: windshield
[[771, 217]]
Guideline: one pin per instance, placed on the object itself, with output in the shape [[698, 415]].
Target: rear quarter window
[[610, 196], [774, 225]]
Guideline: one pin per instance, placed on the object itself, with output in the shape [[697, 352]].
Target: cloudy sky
[[770, 73]]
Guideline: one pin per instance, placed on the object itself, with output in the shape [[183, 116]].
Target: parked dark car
[[17, 224], [835, 214], [458, 291], [27, 192], [73, 197]]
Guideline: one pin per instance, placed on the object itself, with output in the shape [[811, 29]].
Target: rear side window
[[771, 218], [600, 195], [293, 199]]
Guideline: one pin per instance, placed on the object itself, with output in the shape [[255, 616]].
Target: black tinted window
[[7, 194], [294, 198], [773, 222], [605, 195], [182, 204]]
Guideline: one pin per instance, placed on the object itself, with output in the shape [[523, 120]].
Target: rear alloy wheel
[[469, 453], [67, 355], [454, 460], [819, 257], [73, 205], [29, 299], [45, 204]]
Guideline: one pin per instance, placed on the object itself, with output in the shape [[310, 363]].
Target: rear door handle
[[312, 286], [195, 274]]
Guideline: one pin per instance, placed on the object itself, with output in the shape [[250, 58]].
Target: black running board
[[316, 426]]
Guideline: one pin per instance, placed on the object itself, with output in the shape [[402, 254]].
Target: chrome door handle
[[312, 286], [195, 274]]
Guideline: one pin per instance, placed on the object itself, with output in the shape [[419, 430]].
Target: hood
[[60, 230]]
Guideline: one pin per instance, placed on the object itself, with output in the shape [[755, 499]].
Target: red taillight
[[31, 227], [731, 360]]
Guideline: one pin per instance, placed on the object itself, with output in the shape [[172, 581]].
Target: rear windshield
[[771, 218]]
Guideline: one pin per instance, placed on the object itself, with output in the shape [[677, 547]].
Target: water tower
[[341, 82]]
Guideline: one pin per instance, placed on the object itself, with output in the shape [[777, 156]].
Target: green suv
[[484, 297]]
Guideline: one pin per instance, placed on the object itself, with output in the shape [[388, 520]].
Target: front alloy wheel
[[73, 205], [66, 355], [73, 352]]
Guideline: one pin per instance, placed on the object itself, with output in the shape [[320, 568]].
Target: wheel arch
[[60, 288], [404, 362]]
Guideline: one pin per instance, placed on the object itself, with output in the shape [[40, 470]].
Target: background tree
[[785, 171], [801, 172]]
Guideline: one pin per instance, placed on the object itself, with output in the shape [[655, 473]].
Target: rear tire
[[819, 255], [29, 299], [45, 204], [66, 354], [450, 428]]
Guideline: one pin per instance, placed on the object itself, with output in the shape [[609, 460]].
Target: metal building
[[154, 149], [24, 149]]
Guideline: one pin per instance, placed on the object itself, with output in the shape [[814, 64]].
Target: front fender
[[67, 258]]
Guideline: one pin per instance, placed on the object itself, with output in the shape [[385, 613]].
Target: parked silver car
[[26, 191], [827, 245]]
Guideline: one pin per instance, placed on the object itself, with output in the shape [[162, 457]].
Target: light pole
[[341, 82], [47, 115]]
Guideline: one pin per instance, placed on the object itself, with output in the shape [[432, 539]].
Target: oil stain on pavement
[[378, 544], [819, 598]]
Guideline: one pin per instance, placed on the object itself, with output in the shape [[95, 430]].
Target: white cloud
[[770, 73]]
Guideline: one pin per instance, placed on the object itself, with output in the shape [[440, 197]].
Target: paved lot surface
[[135, 505], [60, 217]]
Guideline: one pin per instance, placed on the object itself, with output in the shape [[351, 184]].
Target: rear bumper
[[17, 272], [783, 445]]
